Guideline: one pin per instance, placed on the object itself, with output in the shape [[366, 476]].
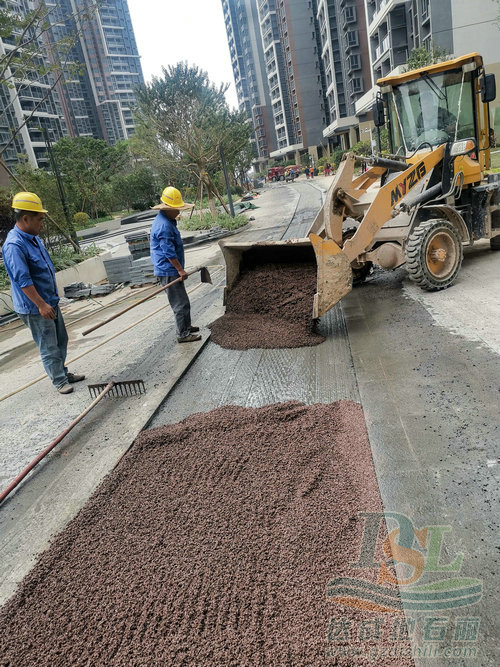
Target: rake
[[98, 392]]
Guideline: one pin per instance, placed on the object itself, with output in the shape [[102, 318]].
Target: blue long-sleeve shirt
[[166, 243], [28, 263]]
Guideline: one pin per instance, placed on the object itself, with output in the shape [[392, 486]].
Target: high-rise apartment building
[[346, 61], [21, 98], [95, 95], [396, 27], [112, 69], [291, 43], [247, 60], [278, 72]]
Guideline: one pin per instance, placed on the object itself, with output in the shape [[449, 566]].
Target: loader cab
[[442, 103]]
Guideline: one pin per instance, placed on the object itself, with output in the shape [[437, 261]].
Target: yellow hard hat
[[28, 201], [172, 197]]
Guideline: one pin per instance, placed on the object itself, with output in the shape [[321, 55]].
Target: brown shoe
[[73, 377], [194, 329], [191, 338], [65, 389]]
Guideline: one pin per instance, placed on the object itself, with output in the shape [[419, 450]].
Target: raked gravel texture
[[270, 307], [211, 543]]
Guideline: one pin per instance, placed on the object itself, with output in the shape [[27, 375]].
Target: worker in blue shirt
[[167, 255], [34, 289]]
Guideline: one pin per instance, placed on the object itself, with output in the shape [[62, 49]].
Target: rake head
[[118, 389]]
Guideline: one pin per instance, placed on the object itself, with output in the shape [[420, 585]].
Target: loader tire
[[360, 272], [495, 243], [434, 255]]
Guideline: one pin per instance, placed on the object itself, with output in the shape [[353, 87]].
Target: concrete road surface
[[425, 367]]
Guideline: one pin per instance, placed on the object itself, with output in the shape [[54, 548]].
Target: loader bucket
[[334, 275], [248, 255]]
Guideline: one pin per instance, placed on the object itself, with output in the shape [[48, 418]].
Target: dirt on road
[[213, 542], [270, 307]]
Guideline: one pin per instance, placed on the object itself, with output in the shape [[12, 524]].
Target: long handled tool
[[118, 389], [204, 277]]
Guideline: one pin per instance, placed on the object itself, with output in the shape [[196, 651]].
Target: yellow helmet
[[172, 197], [28, 201]]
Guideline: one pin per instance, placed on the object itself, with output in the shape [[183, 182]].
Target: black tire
[[360, 272], [434, 255], [282, 178], [495, 243], [273, 179]]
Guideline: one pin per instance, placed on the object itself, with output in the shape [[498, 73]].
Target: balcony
[[384, 8], [383, 48]]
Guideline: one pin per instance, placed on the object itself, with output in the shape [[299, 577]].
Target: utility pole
[[60, 187], [226, 179]]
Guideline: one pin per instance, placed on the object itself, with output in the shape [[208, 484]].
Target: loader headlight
[[462, 147]]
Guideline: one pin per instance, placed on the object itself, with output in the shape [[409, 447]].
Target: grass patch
[[62, 258], [123, 214], [208, 222], [91, 222]]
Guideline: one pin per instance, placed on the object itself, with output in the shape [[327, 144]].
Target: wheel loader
[[418, 206]]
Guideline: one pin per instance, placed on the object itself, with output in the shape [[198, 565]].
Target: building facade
[[93, 97], [291, 43], [346, 61], [247, 60], [458, 27], [22, 98]]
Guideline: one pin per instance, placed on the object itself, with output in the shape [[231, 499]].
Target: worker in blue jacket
[[167, 255], [34, 289]]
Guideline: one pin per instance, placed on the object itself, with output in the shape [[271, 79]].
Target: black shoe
[[194, 329], [73, 377], [190, 338]]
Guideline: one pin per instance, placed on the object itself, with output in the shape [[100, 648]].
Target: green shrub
[[62, 258], [208, 222], [81, 220]]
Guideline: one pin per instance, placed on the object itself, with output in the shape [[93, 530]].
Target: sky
[[168, 31]]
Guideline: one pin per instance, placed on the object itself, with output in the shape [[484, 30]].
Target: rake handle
[[55, 442], [137, 303]]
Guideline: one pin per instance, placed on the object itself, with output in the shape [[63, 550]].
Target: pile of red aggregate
[[269, 307], [212, 543]]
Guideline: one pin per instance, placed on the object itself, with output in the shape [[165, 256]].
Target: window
[[349, 14], [357, 85], [352, 38], [355, 62]]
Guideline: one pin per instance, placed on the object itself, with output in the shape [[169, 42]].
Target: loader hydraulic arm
[[387, 198], [333, 261]]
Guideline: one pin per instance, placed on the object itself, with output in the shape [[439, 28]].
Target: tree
[[6, 213], [87, 166], [421, 56], [137, 189], [45, 185], [188, 118], [35, 56]]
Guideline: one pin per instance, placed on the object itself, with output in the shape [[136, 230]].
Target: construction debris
[[78, 290]]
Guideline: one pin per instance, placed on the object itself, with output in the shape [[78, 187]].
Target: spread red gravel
[[269, 307], [212, 543]]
